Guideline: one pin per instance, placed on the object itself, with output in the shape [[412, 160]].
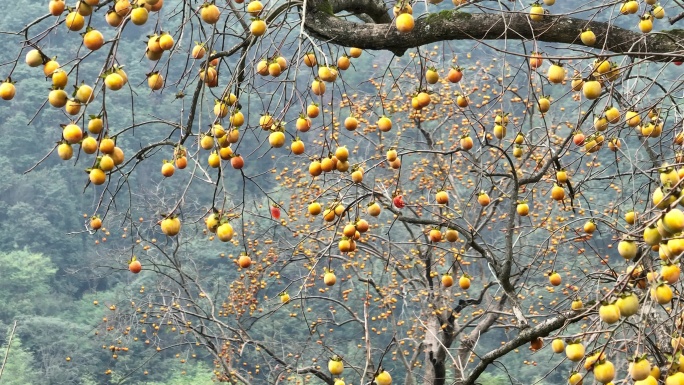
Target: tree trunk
[[435, 353]]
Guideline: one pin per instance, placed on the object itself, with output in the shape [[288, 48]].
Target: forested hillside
[[59, 278]]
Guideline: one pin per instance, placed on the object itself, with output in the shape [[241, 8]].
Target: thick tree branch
[[453, 25], [441, 335], [374, 8], [525, 336], [675, 19], [462, 304]]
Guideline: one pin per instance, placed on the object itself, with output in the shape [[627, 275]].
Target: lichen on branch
[[455, 25]]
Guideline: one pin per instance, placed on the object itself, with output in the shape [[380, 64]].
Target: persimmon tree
[[355, 191]]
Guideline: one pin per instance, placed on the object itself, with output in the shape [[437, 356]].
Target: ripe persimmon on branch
[[285, 192]]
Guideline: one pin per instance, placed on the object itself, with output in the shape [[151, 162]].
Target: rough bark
[[453, 25], [435, 369], [440, 335], [524, 337]]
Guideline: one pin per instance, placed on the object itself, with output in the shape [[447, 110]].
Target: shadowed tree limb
[[524, 337], [675, 19], [453, 25], [375, 9]]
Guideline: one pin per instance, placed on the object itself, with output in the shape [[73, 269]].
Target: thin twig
[[9, 344]]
